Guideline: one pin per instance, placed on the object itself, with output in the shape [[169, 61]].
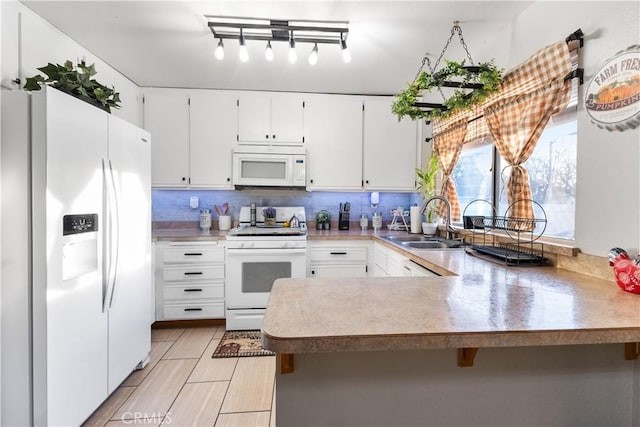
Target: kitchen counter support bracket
[[466, 356], [285, 363], [631, 350]]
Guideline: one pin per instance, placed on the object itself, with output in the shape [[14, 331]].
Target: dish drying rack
[[488, 235], [399, 214]]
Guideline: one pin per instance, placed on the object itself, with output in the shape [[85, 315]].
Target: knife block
[[343, 220]]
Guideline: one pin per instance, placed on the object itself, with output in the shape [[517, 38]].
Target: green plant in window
[[485, 73], [426, 183]]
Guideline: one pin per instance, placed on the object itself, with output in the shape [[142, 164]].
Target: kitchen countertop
[[483, 305], [187, 235]]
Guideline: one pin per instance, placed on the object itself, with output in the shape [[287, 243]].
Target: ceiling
[[168, 43]]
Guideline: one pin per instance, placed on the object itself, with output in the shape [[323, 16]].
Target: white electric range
[[257, 255]]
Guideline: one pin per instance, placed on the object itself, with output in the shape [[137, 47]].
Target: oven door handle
[[257, 252]]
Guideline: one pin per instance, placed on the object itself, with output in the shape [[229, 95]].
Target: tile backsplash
[[173, 205]]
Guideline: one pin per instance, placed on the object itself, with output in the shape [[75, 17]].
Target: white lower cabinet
[[189, 280], [388, 262], [337, 258]]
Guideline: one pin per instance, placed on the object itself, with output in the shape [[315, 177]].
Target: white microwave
[[257, 166]]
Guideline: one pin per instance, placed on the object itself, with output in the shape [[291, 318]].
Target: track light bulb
[[293, 56], [313, 57], [268, 52], [346, 55], [244, 53], [219, 52]]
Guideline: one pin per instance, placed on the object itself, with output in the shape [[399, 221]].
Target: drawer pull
[[193, 254], [193, 273], [338, 253], [192, 309], [193, 290]]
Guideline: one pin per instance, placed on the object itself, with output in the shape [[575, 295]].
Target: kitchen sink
[[426, 245], [402, 239], [424, 242]]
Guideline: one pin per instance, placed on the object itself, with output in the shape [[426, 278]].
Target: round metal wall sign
[[612, 98]]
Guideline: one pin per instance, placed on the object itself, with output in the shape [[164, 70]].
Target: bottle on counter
[[205, 220], [252, 217], [377, 221], [364, 222]]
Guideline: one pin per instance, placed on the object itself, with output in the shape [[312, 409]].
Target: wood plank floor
[[184, 386]]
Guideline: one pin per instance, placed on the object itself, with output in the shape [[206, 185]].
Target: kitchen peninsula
[[488, 345]]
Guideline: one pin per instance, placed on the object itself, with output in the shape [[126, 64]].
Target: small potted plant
[[426, 179], [323, 220], [269, 216]]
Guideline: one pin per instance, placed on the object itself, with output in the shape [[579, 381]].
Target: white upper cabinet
[[390, 148], [193, 135], [270, 118], [166, 117], [333, 129], [213, 121]]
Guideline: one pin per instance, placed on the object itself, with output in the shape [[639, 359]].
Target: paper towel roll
[[416, 221]]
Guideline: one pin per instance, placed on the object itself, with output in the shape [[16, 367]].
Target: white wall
[[608, 170], [30, 42]]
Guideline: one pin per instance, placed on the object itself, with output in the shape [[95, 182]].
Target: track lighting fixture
[[279, 30], [346, 55], [219, 52], [313, 57], [268, 52], [244, 54], [293, 56]]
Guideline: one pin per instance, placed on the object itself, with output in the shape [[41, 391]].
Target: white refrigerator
[[76, 256]]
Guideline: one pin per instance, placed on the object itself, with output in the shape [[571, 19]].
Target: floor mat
[[241, 344]]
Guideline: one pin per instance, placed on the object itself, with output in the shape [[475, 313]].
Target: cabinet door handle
[[266, 136], [338, 253], [192, 309], [228, 179], [193, 273], [184, 178], [193, 290], [193, 254], [407, 268], [313, 272], [273, 136], [310, 181]]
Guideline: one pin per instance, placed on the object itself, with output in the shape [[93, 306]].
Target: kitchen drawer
[[193, 292], [192, 273], [338, 255], [339, 271], [193, 254], [214, 310]]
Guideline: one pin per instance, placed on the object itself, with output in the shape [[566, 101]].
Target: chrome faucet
[[449, 228]]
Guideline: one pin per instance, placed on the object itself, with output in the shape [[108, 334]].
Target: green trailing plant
[[488, 75], [426, 183], [77, 81]]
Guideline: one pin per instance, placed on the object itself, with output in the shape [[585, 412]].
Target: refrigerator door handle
[[115, 234], [106, 247]]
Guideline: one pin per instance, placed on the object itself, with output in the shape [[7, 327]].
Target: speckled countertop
[[475, 303], [483, 305]]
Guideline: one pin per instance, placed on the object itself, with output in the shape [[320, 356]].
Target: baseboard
[[165, 324]]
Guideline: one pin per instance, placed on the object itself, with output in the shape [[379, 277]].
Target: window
[[474, 178], [552, 175]]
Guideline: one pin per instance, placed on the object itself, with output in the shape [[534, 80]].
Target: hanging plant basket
[[77, 82], [483, 80]]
